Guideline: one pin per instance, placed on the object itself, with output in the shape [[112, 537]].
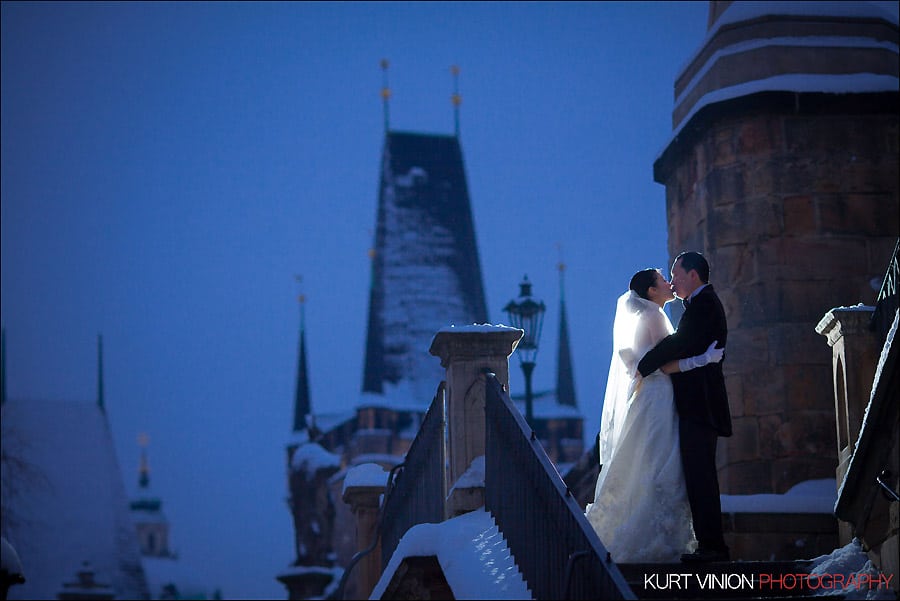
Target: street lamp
[[527, 314]]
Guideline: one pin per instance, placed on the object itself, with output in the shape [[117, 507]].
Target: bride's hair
[[642, 281]]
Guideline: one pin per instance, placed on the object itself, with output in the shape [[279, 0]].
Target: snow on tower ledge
[[794, 47]]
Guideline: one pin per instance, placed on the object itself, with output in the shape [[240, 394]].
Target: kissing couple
[[665, 406]]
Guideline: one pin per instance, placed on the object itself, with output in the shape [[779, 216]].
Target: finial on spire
[[100, 402], [144, 470], [561, 267], [385, 93], [301, 299], [456, 98], [370, 252]]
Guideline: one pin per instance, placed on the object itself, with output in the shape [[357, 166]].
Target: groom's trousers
[[698, 458]]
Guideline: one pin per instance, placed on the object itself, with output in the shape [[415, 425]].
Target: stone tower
[[782, 169]]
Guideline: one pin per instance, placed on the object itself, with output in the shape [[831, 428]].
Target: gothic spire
[[301, 396], [565, 379]]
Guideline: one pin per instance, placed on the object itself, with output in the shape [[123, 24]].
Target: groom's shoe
[[706, 556]]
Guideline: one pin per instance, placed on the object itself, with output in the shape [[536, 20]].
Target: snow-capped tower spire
[[301, 394], [565, 378]]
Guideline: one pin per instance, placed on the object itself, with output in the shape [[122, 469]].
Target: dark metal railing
[[886, 302], [418, 493], [554, 546]]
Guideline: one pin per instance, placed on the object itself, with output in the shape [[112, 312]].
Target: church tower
[[782, 169], [309, 469], [146, 510], [425, 271]]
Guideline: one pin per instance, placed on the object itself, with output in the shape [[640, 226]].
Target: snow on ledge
[[811, 496], [857, 307], [852, 83], [478, 328], [747, 11], [473, 477]]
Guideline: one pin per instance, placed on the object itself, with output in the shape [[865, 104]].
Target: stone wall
[[797, 213]]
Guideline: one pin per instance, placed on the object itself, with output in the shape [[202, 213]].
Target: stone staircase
[[727, 579]]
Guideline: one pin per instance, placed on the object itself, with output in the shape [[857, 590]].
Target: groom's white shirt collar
[[697, 291]]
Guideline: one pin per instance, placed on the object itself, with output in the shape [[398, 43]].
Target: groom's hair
[[694, 260], [642, 281]]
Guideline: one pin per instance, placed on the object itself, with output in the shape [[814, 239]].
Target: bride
[[640, 509]]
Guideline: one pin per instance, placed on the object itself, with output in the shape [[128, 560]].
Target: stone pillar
[[467, 353], [854, 356], [363, 494]]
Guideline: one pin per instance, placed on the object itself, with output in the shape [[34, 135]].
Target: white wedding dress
[[640, 509]]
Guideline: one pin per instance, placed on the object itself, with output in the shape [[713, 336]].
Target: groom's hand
[[712, 355]]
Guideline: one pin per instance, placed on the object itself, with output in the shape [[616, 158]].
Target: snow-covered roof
[[311, 457], [324, 422], [64, 499], [426, 272], [404, 395], [545, 406], [379, 458]]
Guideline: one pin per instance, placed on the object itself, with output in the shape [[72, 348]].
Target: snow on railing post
[[467, 353], [854, 351]]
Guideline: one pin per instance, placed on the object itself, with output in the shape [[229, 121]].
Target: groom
[[700, 399]]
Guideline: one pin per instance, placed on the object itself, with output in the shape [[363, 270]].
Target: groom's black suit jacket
[[699, 393]]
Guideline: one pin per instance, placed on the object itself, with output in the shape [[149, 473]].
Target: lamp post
[[526, 313]]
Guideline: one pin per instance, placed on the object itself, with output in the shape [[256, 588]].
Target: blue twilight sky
[[167, 169]]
